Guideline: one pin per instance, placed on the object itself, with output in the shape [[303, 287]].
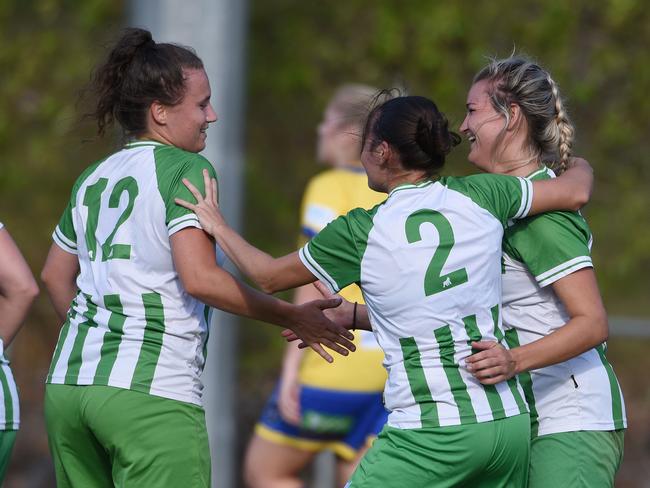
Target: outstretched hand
[[206, 209], [493, 364], [340, 315], [315, 330]]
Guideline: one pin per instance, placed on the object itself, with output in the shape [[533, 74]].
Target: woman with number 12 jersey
[[428, 263], [130, 273]]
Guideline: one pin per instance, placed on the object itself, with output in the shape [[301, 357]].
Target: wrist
[[518, 360]]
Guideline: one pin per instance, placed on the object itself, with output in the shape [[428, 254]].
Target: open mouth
[[471, 138]]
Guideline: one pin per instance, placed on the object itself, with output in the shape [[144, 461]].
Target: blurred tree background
[[298, 53]]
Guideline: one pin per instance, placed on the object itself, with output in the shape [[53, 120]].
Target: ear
[[515, 116], [384, 151], [158, 113]]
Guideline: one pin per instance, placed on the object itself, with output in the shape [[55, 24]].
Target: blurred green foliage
[[298, 53]]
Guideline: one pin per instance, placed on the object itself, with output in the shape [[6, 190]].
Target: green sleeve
[[64, 234], [505, 197], [551, 245], [334, 254], [172, 166]]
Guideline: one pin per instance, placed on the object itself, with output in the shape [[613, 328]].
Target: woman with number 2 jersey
[[428, 263], [129, 273]]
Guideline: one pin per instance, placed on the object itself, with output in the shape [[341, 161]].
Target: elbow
[[194, 288], [24, 293], [198, 287], [599, 329], [29, 291], [48, 278], [269, 285]]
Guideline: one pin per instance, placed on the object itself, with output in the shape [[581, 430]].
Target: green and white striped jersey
[[583, 392], [132, 325], [428, 263], [9, 405]]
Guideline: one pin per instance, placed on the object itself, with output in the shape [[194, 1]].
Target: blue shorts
[[341, 421]]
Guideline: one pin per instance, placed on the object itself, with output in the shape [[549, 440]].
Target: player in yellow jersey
[[317, 405]]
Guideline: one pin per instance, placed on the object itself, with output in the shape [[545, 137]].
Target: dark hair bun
[[416, 129], [137, 72]]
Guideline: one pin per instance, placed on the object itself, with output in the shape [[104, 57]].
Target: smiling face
[[483, 126], [186, 123]]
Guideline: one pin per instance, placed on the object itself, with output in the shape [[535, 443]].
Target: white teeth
[[471, 138]]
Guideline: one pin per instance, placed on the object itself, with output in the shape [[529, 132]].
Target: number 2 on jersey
[[434, 280], [92, 200]]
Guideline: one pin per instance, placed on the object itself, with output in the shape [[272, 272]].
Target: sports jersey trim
[[526, 199], [189, 220], [311, 264], [564, 269], [10, 399], [129, 145], [63, 242], [540, 171], [410, 186]]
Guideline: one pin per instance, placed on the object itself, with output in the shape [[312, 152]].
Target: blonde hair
[[353, 102], [521, 81]]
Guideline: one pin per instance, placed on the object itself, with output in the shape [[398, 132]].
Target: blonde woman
[[555, 321]]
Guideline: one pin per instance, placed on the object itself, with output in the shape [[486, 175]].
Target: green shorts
[[7, 440], [583, 459], [102, 436], [487, 454]]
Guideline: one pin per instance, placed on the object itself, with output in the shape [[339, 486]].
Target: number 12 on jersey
[[92, 200]]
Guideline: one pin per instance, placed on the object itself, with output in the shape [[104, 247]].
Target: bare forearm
[[578, 335], [61, 296], [570, 191], [254, 263], [218, 288], [362, 318], [13, 310]]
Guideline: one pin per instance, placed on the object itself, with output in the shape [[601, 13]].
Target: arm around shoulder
[[570, 191]]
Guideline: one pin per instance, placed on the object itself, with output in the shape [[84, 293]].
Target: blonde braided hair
[[521, 81], [564, 128]]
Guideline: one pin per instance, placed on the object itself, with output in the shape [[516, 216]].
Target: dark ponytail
[[416, 129], [137, 72]]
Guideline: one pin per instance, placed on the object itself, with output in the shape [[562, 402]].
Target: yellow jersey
[[329, 194]]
